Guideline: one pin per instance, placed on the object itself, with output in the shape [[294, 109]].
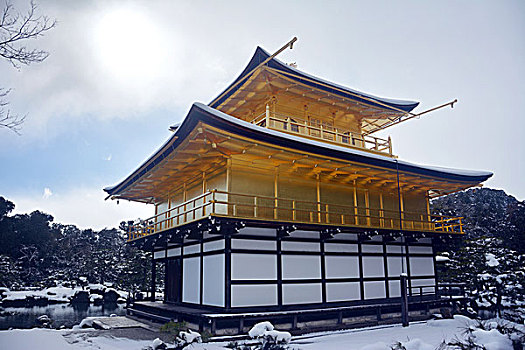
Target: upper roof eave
[[202, 113], [260, 55]]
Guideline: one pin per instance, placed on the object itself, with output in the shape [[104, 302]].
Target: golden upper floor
[[274, 95]]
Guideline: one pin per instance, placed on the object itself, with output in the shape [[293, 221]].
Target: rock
[[45, 321], [446, 312], [97, 289], [44, 318], [80, 297], [158, 344], [110, 296]]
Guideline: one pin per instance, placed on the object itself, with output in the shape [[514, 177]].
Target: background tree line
[[36, 251]]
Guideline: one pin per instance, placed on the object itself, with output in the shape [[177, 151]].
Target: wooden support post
[[276, 193], [429, 223], [404, 300], [378, 313], [381, 211], [241, 325], [294, 322], [356, 210], [367, 204], [340, 317], [402, 209], [153, 276], [318, 196]]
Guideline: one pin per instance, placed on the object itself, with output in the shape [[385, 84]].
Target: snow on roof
[[261, 54]]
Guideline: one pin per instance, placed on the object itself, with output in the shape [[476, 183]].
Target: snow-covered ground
[[419, 336]]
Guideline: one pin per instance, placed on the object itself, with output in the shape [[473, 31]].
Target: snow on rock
[[95, 297], [190, 336], [158, 344], [91, 322], [491, 260], [259, 328], [441, 258]]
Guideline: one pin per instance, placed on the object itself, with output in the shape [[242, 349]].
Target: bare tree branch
[[15, 30], [7, 119]]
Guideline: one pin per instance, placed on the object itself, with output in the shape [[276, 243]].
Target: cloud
[[108, 158], [83, 207], [47, 193]]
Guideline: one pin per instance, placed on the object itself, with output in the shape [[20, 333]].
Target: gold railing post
[[367, 211], [327, 214], [294, 216], [255, 206], [356, 208], [213, 202]]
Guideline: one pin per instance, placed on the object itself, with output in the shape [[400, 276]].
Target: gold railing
[[293, 125], [244, 206]]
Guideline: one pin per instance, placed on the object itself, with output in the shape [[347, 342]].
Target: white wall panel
[[394, 289], [342, 266], [346, 236], [374, 290], [305, 234], [300, 246], [395, 249], [213, 280], [344, 291], [173, 252], [254, 295], [257, 231], [214, 245], [419, 250], [421, 266], [191, 280], [369, 248], [159, 254], [373, 266], [301, 293], [253, 244], [254, 267], [340, 248], [192, 249], [395, 265], [301, 266]]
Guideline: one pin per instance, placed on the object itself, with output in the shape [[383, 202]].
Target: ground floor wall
[[257, 268]]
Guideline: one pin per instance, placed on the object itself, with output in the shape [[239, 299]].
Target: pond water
[[61, 314]]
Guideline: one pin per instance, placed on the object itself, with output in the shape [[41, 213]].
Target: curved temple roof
[[260, 55], [207, 115]]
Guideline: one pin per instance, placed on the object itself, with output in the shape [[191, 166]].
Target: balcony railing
[[294, 125], [243, 206]]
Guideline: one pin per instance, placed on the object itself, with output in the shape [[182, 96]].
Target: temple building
[[278, 197]]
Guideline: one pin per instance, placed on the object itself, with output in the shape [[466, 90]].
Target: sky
[[121, 72]]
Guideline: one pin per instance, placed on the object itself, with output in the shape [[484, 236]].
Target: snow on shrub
[[259, 328], [265, 332]]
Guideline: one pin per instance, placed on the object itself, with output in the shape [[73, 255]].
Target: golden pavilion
[[278, 197]]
